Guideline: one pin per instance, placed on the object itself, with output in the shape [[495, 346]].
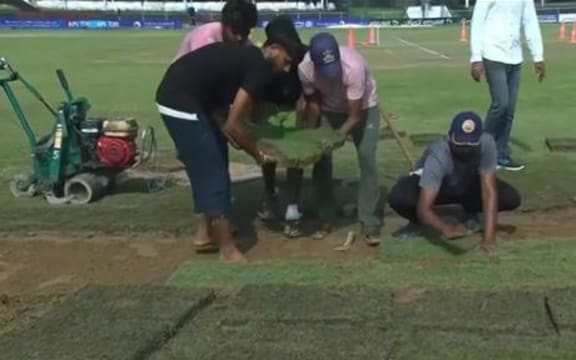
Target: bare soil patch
[[48, 262]]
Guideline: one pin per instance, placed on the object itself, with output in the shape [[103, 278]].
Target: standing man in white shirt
[[497, 51]]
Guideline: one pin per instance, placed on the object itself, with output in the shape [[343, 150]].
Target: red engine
[[116, 152]]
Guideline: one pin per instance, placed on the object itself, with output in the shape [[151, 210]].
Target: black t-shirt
[[284, 89], [209, 77]]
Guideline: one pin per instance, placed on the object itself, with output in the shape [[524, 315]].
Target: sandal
[[325, 230], [206, 248]]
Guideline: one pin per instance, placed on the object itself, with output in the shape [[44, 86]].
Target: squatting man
[[459, 169]]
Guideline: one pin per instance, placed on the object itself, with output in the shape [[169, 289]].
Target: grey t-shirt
[[439, 167]]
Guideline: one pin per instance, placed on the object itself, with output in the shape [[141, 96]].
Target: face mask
[[464, 153]]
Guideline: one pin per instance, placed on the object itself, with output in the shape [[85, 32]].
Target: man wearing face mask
[[220, 78], [460, 169]]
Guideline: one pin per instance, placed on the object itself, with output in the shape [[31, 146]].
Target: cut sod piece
[[295, 147], [561, 144], [480, 312], [106, 323], [424, 139], [312, 304]]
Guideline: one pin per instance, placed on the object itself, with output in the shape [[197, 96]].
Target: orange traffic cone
[[351, 38], [372, 37], [464, 32], [562, 35], [573, 35]]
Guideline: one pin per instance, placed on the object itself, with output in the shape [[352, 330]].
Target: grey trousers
[[365, 135], [504, 83]]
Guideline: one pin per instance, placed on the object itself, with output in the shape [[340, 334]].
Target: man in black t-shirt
[[286, 92], [217, 78]]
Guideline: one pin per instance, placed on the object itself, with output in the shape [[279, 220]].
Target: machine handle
[[5, 66], [62, 79], [64, 83]]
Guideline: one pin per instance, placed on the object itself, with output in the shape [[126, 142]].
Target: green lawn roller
[[79, 159]]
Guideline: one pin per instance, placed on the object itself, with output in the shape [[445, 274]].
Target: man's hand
[[477, 70], [454, 232], [489, 249], [354, 117], [540, 68], [263, 158]]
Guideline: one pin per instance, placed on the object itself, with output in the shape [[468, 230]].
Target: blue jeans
[[204, 151], [504, 83]]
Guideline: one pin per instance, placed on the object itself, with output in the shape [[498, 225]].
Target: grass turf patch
[[287, 322], [292, 146], [521, 264], [102, 322], [453, 345], [482, 312], [310, 304]]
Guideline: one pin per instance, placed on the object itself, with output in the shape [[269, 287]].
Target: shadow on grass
[[520, 144], [453, 214], [142, 185], [248, 197]]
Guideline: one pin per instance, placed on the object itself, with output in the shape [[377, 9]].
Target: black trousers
[[403, 197]]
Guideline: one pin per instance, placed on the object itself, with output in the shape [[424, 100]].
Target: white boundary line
[[426, 50]]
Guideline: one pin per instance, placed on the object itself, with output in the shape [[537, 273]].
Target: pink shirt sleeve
[[201, 36], [355, 82]]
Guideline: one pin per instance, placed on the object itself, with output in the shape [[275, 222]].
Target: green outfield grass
[[422, 76]]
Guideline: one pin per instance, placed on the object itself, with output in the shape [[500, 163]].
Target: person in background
[[340, 89], [460, 169], [496, 50], [239, 17]]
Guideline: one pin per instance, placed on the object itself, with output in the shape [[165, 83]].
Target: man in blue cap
[[339, 87], [460, 169]]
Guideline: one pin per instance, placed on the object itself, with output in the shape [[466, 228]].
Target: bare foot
[[202, 237], [232, 256]]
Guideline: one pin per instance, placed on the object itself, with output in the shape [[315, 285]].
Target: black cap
[[281, 30]]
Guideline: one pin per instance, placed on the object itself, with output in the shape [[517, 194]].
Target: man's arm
[[310, 112], [428, 217], [533, 37], [487, 170], [354, 116], [489, 205], [426, 212], [234, 128], [430, 183], [355, 91]]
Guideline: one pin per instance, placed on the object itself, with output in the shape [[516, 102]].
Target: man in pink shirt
[[340, 89], [238, 19]]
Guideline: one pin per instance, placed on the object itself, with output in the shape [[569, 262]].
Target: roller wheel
[[22, 185], [85, 188]]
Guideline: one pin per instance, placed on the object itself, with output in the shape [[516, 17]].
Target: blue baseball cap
[[325, 54], [466, 128]]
